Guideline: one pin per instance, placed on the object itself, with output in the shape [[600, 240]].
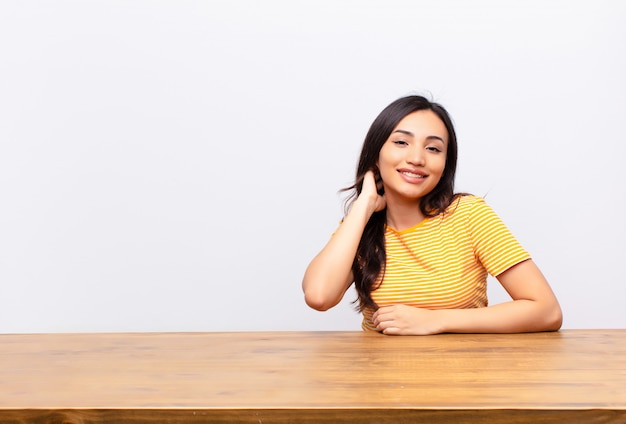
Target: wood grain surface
[[566, 376]]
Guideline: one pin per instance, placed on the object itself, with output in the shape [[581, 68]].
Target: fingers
[[370, 194], [373, 179], [369, 181], [393, 319], [388, 327], [382, 318], [373, 189]]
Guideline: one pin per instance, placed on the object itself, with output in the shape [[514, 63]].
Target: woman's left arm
[[533, 308]]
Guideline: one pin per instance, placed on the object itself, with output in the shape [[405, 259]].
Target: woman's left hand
[[406, 320]]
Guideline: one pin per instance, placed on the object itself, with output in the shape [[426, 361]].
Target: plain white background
[[174, 165]]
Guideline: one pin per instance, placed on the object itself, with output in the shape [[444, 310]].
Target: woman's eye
[[434, 149], [400, 142]]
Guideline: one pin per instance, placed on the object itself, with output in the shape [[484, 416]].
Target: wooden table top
[[242, 374]]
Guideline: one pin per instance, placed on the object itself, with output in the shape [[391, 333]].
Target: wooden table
[[263, 377]]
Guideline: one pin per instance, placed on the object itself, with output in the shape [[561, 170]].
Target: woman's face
[[412, 160]]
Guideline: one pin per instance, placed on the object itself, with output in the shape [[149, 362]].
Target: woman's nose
[[415, 156]]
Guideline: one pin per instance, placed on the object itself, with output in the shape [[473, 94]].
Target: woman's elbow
[[553, 318], [558, 319], [320, 293], [318, 301]]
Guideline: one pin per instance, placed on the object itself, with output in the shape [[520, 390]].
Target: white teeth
[[410, 174]]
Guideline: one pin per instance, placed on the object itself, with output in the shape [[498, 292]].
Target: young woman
[[418, 253]]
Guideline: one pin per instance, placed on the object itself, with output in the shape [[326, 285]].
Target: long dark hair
[[371, 257]]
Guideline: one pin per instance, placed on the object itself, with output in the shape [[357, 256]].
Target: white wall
[[173, 165]]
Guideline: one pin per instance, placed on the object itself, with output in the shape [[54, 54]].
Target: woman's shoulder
[[467, 207], [464, 201]]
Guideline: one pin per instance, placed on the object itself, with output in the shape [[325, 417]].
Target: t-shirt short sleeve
[[494, 244]]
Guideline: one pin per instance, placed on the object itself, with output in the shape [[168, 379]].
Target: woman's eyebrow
[[430, 137], [436, 137], [404, 132]]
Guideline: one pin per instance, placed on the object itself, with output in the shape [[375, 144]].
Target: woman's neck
[[403, 215]]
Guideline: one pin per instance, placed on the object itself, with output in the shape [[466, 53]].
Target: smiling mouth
[[413, 175]]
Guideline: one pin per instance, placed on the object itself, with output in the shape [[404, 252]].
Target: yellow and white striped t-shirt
[[442, 262]]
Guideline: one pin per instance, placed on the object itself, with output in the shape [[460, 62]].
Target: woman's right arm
[[329, 274]]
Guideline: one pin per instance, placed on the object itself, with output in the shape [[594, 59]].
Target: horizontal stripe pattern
[[443, 262]]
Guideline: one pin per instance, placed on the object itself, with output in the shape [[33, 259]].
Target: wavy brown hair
[[371, 257]]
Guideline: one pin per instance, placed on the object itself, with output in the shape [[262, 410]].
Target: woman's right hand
[[369, 193]]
